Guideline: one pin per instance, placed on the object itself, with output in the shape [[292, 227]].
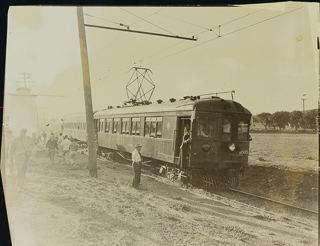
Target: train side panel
[[156, 148]]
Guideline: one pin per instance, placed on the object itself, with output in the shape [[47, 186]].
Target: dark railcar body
[[219, 133]]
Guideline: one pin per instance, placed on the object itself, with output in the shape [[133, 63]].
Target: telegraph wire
[[117, 23], [240, 29], [211, 29], [148, 21], [207, 29], [265, 20], [237, 30], [145, 58], [145, 17]]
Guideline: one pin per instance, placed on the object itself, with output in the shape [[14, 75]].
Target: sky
[[267, 53]]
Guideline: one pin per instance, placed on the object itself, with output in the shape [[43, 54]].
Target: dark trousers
[[20, 163], [137, 174], [51, 154]]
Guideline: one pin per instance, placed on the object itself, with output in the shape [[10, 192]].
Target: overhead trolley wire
[[148, 21], [211, 29], [207, 29], [237, 30], [186, 22], [117, 23], [141, 19]]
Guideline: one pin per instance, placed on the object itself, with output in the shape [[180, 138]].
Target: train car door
[[182, 123]]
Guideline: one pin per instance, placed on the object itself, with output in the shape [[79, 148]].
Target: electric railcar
[[219, 135]]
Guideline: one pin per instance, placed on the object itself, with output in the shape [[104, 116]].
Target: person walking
[[8, 141], [136, 165], [52, 147], [34, 150], [19, 154], [60, 139], [65, 149], [44, 135], [73, 151]]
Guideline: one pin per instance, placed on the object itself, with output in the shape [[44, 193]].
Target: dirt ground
[[283, 167], [61, 205], [294, 187]]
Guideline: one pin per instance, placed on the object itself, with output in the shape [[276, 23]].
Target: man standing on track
[[136, 165], [52, 147]]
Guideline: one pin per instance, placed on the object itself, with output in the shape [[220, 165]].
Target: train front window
[[226, 128], [207, 127], [243, 129]]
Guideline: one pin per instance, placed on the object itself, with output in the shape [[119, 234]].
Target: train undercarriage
[[221, 178]]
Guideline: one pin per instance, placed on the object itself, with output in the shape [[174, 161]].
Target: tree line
[[282, 119]]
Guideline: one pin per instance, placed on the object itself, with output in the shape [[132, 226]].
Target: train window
[[153, 127], [116, 125], [78, 126], [138, 128], [125, 125], [135, 126], [108, 125], [243, 129], [159, 127], [147, 127], [207, 127], [101, 125], [226, 128]]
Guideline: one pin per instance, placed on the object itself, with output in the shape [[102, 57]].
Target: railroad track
[[274, 202], [258, 201], [231, 201]]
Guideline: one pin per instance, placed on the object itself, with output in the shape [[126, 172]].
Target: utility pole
[[92, 159], [25, 77], [303, 99]]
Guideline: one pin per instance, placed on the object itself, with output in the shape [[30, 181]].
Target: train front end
[[220, 141]]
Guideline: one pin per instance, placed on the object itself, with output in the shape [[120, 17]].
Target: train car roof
[[184, 105], [220, 105], [75, 116], [210, 104]]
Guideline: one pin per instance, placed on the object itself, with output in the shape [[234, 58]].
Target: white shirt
[[66, 144], [136, 157]]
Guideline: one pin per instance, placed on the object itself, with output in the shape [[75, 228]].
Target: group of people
[[23, 149], [65, 145]]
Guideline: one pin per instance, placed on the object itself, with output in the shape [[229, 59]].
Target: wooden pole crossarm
[[141, 32]]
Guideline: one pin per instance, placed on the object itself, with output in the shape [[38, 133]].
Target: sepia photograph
[[162, 125]]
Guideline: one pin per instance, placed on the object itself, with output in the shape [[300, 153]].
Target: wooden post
[[91, 141]]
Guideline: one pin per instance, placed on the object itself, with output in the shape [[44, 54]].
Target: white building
[[20, 110]]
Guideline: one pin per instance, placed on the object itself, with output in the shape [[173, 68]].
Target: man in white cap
[[136, 165]]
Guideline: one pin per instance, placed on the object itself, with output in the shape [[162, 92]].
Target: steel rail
[[274, 201]]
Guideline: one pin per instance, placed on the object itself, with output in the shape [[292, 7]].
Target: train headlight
[[232, 147], [205, 147]]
